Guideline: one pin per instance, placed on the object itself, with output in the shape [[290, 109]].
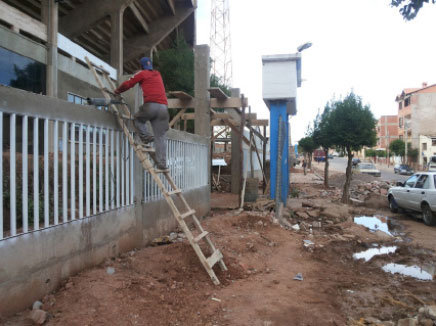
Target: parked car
[[355, 161], [330, 156], [432, 164], [368, 168], [417, 194], [403, 169]]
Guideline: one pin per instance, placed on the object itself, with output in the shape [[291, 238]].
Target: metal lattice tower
[[220, 41]]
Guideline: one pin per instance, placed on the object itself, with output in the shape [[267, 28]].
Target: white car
[[416, 194], [368, 168]]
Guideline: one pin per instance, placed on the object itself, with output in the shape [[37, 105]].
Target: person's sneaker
[[161, 166], [144, 139]]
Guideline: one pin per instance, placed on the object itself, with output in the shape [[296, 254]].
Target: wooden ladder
[[144, 153]]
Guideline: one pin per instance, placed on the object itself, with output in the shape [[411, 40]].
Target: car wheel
[[393, 206], [427, 215]]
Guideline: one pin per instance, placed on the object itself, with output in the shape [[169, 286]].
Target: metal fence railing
[[53, 171]]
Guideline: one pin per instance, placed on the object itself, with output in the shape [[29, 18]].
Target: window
[[424, 146], [76, 99], [434, 180], [407, 102], [422, 182], [400, 122], [400, 105], [410, 183], [433, 142], [21, 72]]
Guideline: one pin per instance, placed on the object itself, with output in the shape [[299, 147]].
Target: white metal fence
[[188, 167], [79, 171]]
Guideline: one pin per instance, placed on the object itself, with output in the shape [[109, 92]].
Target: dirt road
[[166, 285]]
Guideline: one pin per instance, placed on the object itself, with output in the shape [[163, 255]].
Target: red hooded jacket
[[151, 83]]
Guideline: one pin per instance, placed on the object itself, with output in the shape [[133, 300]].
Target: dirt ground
[[166, 285]]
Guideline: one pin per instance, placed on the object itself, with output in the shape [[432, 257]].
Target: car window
[[411, 181], [367, 166], [422, 182], [434, 180]]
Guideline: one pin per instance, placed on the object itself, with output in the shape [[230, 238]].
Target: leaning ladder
[[144, 152]]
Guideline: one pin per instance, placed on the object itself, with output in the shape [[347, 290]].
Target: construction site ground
[[166, 284]]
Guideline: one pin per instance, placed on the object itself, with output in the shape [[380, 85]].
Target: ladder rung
[[216, 256], [161, 171], [188, 213], [200, 236], [146, 148], [173, 192]]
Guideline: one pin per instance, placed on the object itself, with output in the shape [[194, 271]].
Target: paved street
[[339, 164]]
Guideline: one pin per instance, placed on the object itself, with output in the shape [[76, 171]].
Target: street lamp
[[304, 46]]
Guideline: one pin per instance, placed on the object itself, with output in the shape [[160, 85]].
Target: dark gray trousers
[[158, 116]]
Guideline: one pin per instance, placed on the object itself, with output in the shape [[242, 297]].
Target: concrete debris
[[110, 270], [408, 322], [430, 312], [216, 299], [298, 277], [37, 305], [38, 316], [296, 227], [316, 224], [173, 236]]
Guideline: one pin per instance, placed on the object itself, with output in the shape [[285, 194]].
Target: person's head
[[146, 63]]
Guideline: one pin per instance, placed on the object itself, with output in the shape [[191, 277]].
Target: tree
[[410, 10], [398, 147], [369, 152], [354, 127], [322, 136], [307, 146]]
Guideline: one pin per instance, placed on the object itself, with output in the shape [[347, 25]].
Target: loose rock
[[38, 316]]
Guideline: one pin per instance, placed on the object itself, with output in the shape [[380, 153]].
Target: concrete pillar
[[202, 98], [50, 19], [236, 152], [201, 85], [116, 55]]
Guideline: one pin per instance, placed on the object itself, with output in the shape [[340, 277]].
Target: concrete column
[[50, 19], [201, 85], [202, 98], [236, 152], [116, 55]]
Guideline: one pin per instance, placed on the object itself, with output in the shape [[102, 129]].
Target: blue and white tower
[[281, 77]]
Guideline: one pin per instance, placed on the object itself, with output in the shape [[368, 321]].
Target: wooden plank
[[216, 92], [172, 7], [139, 17], [21, 21], [176, 103], [188, 213], [200, 236], [216, 256], [177, 117], [180, 95], [231, 102]]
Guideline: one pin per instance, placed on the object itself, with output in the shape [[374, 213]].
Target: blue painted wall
[[278, 109]]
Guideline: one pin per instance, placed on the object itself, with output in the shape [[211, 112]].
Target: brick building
[[387, 130], [417, 118]]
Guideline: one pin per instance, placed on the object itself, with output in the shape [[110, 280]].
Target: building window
[[407, 102], [400, 122], [433, 142], [21, 72], [76, 99], [400, 105], [424, 146]]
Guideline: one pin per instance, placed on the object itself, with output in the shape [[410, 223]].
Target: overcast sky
[[360, 45]]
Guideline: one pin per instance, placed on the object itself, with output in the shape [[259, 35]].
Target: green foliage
[[353, 124], [215, 81], [369, 152], [410, 9], [176, 66], [381, 153], [412, 153], [323, 129], [397, 147], [307, 145]]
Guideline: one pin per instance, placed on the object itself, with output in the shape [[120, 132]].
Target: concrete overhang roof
[[286, 57]]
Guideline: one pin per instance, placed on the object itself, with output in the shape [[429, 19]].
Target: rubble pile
[[363, 190]]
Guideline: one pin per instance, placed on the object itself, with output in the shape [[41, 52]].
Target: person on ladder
[[154, 109]]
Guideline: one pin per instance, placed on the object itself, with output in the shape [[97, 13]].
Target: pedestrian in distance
[[304, 166], [154, 109]]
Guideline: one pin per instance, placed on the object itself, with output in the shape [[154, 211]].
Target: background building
[[387, 131], [416, 119]]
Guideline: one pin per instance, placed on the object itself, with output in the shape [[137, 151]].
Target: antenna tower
[[220, 41]]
